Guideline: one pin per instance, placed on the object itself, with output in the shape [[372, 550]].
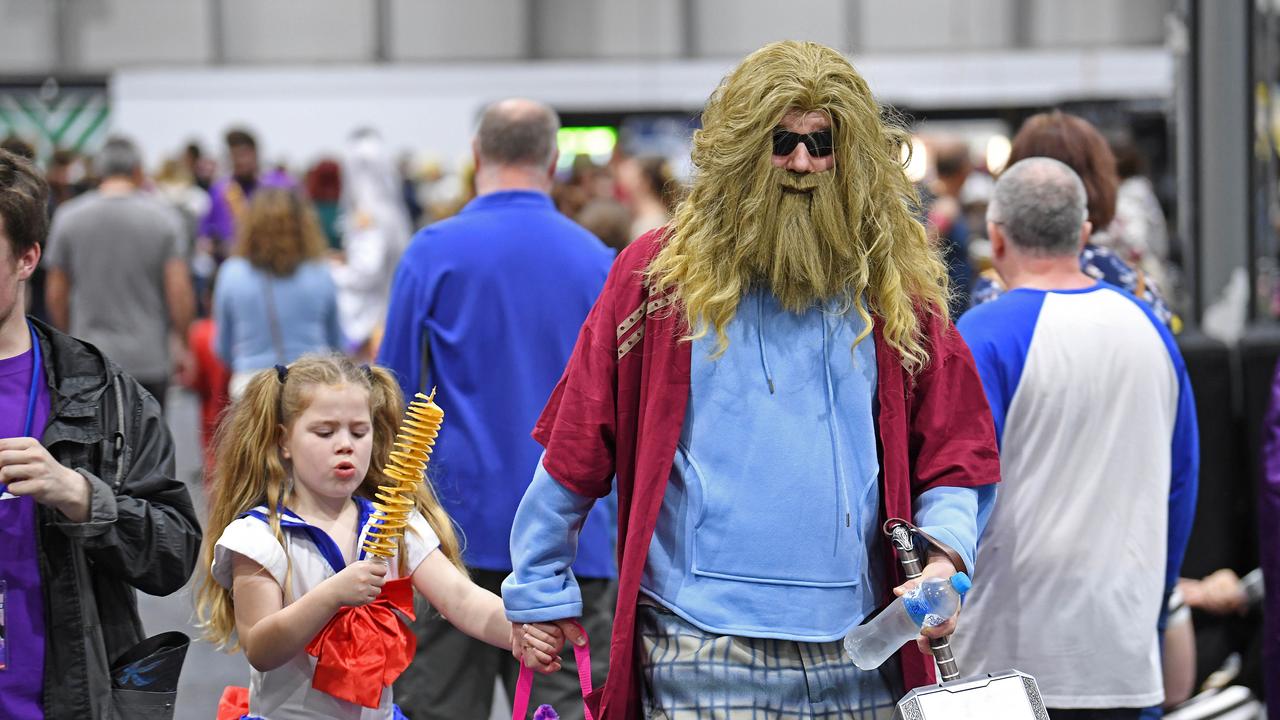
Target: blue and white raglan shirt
[[308, 558], [1099, 456]]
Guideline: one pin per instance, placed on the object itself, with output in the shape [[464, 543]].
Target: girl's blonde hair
[[886, 267], [250, 470]]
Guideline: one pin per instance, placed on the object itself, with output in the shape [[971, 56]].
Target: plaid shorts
[[690, 674]]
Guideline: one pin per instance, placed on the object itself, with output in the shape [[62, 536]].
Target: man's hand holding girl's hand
[[537, 645]]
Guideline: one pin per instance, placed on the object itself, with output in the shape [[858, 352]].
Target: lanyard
[[34, 394]]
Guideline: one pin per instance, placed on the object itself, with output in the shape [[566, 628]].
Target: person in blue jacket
[[486, 307]]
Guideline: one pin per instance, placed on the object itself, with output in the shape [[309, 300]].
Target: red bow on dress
[[364, 649]]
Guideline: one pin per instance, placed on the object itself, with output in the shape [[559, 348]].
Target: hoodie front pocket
[[785, 533]]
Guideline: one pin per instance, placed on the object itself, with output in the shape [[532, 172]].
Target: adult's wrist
[[76, 497]]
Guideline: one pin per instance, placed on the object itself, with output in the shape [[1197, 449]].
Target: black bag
[[144, 679]]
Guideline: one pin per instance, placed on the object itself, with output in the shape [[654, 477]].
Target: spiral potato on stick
[[406, 471]]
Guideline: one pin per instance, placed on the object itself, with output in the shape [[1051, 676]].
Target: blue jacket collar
[[509, 197]]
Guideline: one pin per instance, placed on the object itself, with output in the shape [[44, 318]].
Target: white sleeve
[[420, 541], [252, 538]]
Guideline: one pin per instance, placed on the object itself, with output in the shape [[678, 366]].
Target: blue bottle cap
[[961, 583]]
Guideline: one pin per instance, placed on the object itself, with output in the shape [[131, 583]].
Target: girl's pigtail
[[247, 470]]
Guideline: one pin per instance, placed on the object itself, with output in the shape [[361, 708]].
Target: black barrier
[[1223, 534], [1232, 389]]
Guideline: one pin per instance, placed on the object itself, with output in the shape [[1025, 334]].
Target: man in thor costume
[[769, 378]]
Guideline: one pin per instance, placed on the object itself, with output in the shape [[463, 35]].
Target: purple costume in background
[[22, 682], [219, 223], [1269, 537]]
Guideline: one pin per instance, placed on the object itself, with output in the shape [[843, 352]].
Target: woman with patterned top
[[1077, 143]]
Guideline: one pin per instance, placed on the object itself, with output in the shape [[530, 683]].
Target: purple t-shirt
[[22, 679]]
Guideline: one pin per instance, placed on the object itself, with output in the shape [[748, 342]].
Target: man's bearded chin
[[805, 247]]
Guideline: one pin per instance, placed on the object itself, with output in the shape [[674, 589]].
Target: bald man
[[485, 307]]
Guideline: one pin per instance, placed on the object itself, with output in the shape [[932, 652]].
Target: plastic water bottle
[[930, 604]]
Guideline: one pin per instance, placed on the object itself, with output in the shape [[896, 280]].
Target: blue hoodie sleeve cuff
[[955, 516], [544, 543]]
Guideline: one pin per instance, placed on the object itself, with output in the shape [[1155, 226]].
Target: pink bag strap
[[524, 685]]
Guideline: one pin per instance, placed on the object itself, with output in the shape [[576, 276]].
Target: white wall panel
[[933, 25], [608, 29], [654, 28], [298, 31], [302, 112], [1097, 23], [459, 30], [26, 36], [734, 28], [119, 33]]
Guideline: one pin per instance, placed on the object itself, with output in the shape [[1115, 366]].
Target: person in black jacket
[[90, 510]]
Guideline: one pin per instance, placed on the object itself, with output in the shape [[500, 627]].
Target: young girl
[[299, 457]]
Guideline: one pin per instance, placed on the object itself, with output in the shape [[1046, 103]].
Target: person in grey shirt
[[118, 275]]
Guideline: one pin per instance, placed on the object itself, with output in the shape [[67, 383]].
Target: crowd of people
[[677, 417]]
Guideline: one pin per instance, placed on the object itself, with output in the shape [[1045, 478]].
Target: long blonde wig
[[889, 271], [250, 470]]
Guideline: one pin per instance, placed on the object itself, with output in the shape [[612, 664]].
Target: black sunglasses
[[819, 144]]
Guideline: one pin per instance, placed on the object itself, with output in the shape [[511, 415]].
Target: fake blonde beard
[[805, 253]]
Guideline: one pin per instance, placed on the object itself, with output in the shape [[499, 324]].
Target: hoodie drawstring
[[764, 359], [832, 423], [833, 427]]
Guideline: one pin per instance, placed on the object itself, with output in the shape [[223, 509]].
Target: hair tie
[[368, 371], [282, 373]]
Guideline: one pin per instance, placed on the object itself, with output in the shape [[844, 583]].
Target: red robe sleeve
[[952, 436], [578, 425]]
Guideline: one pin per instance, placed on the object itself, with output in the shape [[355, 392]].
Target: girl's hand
[[358, 584], [537, 645]]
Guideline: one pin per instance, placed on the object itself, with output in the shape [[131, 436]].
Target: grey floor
[[207, 671]]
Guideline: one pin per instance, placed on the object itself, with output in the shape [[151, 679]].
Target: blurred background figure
[[229, 204], [410, 182], [608, 220], [946, 219], [375, 231], [117, 265], [275, 299], [323, 185], [230, 196], [1077, 143], [1139, 230], [201, 167], [175, 184], [68, 177], [649, 190]]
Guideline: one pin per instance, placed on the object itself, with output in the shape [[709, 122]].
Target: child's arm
[[469, 607], [479, 613], [272, 633]]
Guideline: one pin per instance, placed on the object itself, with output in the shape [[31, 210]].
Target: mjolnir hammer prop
[[1005, 695], [899, 533]]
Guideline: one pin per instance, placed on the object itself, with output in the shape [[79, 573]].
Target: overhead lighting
[[998, 150], [917, 161]]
